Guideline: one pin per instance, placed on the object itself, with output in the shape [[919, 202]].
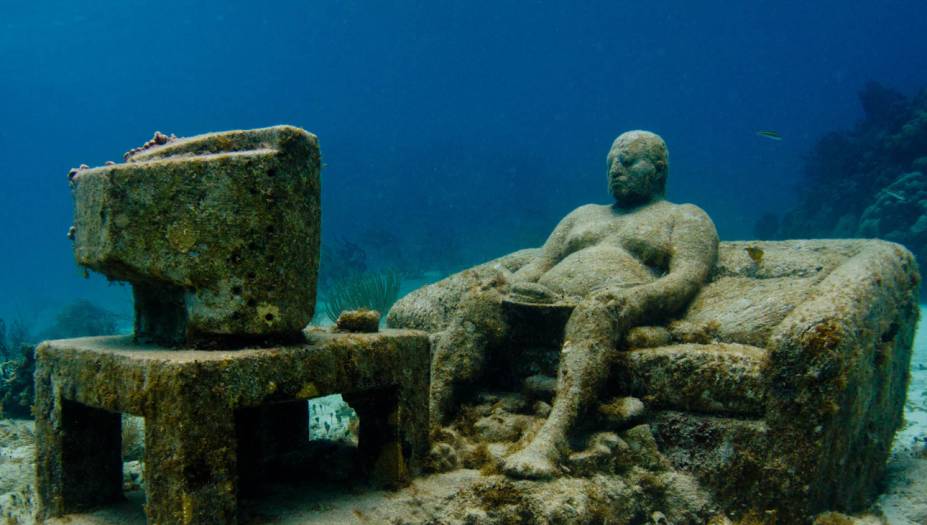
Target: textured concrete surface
[[218, 234], [608, 268], [778, 389], [716, 378], [208, 412]]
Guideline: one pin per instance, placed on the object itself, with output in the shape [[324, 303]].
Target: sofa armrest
[[429, 308], [838, 374]]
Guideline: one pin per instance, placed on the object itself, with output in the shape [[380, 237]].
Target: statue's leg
[[460, 350], [587, 352]]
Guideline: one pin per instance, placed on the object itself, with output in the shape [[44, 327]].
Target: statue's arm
[[694, 245], [549, 254]]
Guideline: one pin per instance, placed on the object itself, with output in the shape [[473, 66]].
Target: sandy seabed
[[904, 501]]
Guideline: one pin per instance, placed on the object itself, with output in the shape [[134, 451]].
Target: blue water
[[474, 125]]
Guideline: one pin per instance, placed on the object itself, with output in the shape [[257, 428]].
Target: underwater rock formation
[[867, 181], [204, 229], [899, 213], [17, 390], [82, 318], [339, 261]]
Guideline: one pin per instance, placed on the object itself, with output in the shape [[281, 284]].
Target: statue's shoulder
[[589, 210], [689, 210], [696, 220]]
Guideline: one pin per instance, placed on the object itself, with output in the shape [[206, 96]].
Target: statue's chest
[[649, 241]]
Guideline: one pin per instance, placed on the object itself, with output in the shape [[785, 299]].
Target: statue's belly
[[593, 268]]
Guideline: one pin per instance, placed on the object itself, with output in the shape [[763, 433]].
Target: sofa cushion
[[741, 309], [772, 259]]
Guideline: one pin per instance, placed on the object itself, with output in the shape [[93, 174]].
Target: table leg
[[190, 465]]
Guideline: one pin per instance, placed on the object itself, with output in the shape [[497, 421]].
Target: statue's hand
[[528, 292], [622, 301]]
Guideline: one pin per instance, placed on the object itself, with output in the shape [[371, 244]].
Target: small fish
[[893, 194], [771, 135]]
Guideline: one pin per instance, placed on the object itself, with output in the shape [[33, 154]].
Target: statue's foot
[[533, 462]]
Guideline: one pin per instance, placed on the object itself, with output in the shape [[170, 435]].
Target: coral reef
[[378, 250], [339, 261], [899, 213], [12, 338], [17, 390], [5, 352], [82, 318], [17, 359], [869, 181]]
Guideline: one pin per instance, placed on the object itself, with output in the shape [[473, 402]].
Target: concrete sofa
[[778, 389]]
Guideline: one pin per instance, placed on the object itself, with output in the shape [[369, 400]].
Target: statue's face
[[637, 168]]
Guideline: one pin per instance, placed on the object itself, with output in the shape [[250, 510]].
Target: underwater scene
[[463, 263]]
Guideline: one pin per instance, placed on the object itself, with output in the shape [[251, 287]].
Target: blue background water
[[482, 122]]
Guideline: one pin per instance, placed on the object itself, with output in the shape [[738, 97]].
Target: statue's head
[[638, 164]]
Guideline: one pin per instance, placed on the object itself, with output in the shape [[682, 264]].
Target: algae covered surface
[[790, 424], [903, 502], [217, 233], [440, 135]]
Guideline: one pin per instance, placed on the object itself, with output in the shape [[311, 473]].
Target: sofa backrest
[[754, 287]]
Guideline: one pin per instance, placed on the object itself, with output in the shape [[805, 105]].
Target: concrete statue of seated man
[[636, 261]]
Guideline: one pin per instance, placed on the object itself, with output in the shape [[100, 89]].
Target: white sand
[[905, 499]]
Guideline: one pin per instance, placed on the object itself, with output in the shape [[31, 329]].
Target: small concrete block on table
[[194, 403]]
